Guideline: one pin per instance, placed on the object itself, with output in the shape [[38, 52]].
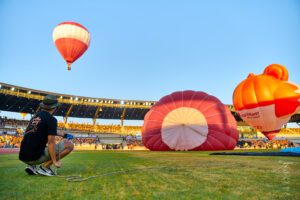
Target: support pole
[[96, 115], [123, 116], [67, 115]]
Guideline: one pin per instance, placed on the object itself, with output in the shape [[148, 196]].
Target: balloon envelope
[[72, 40], [189, 120], [267, 101]]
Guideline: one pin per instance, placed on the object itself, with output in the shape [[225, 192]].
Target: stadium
[[96, 136], [94, 141]]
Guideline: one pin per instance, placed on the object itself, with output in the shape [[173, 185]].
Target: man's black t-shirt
[[36, 136]]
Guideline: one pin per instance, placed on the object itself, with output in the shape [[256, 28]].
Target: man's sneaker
[[31, 169], [45, 171], [52, 172]]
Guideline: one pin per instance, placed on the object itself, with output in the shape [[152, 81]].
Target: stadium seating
[[89, 136]]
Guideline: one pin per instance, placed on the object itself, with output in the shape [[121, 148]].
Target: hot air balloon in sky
[[72, 40], [189, 120], [267, 101]]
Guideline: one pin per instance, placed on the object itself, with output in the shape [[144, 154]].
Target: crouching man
[[41, 131]]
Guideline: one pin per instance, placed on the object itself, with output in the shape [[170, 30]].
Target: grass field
[[156, 175]]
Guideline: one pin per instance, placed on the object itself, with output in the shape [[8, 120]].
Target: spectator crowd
[[10, 141], [14, 141], [11, 131], [264, 144], [100, 128]]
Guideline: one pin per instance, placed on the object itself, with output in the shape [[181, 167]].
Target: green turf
[[174, 175]]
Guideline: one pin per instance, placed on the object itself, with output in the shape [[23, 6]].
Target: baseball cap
[[49, 102]]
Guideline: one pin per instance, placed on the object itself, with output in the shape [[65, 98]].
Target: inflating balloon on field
[[189, 120], [72, 40], [267, 101]]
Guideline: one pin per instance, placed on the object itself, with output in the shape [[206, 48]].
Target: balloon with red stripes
[[72, 40], [189, 120]]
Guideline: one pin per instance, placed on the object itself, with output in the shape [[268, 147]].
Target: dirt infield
[[9, 150]]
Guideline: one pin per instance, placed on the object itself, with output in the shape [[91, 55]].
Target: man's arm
[[61, 133], [51, 149]]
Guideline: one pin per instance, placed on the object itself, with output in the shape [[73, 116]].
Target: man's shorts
[[59, 147]]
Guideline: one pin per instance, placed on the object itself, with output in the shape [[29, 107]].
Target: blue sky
[[144, 50]]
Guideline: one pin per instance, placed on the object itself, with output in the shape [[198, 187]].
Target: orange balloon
[[267, 101], [278, 71]]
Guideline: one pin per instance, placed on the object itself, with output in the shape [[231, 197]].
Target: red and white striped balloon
[[72, 40]]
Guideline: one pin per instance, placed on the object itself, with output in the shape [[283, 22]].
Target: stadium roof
[[25, 100]]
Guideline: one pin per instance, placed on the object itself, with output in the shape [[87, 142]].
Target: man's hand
[[57, 164], [68, 136]]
